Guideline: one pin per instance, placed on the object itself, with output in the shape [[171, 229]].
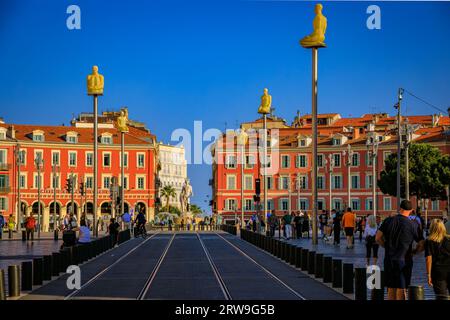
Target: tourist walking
[[298, 225], [287, 220], [113, 230], [2, 224], [397, 234], [306, 224], [372, 246], [336, 227], [30, 225], [349, 224], [273, 223], [437, 254]]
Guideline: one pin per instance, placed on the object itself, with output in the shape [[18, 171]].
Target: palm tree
[[168, 192], [195, 210]]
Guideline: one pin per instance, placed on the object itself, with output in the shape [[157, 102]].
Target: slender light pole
[[399, 145], [19, 204], [95, 85], [407, 142], [55, 178], [349, 153], [265, 170], [39, 163], [373, 143], [298, 192], [241, 142], [122, 174], [330, 174]]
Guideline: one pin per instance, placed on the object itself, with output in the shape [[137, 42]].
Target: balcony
[[5, 166], [4, 190]]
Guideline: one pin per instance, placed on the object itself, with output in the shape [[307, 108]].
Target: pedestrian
[[322, 223], [437, 254], [69, 232], [113, 230], [126, 221], [273, 223], [30, 225], [287, 220], [349, 224], [336, 227], [372, 246], [84, 235], [305, 224], [254, 222], [298, 225], [360, 228], [2, 224], [397, 235], [11, 225]]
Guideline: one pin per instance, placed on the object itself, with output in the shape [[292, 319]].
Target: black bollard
[[64, 259], [55, 235], [360, 284], [27, 275], [2, 285], [14, 281], [378, 294], [37, 271], [47, 267], [305, 253], [327, 269], [319, 265], [292, 255], [56, 263], [312, 262], [298, 257], [24, 235], [287, 251], [337, 273], [347, 286], [416, 293]]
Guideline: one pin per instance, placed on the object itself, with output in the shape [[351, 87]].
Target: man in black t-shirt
[[323, 221], [396, 235]]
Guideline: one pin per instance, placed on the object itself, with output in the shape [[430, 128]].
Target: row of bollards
[[331, 270], [229, 228], [35, 272]]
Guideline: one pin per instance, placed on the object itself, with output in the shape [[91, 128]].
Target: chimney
[[355, 133], [435, 119], [12, 132]]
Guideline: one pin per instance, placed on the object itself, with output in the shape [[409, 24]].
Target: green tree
[[429, 173], [168, 192], [195, 210]]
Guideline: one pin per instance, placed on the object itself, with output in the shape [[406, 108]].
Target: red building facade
[[67, 150], [289, 173]]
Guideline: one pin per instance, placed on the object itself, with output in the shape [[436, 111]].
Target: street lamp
[[399, 144], [242, 141], [18, 158], [39, 162], [373, 142], [408, 134], [348, 163], [330, 164], [55, 170]]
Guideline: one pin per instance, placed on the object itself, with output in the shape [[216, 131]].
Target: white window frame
[[70, 152], [103, 159], [228, 176], [138, 154]]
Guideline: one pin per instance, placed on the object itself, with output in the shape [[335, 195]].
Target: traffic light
[[258, 186], [82, 188], [256, 198], [69, 185], [118, 201]]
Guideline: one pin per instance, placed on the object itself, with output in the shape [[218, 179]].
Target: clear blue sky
[[175, 62]]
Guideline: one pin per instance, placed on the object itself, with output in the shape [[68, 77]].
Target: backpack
[[2, 221], [126, 217]]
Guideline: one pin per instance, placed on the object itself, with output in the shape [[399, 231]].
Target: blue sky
[[174, 62]]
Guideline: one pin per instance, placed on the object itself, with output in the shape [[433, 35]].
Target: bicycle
[[142, 232]]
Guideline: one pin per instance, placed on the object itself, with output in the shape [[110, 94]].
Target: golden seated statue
[[317, 37], [95, 82], [266, 102]]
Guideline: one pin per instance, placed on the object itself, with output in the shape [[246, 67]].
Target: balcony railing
[[4, 190], [5, 166]]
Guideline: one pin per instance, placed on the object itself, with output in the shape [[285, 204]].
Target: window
[[125, 183], [320, 160], [369, 204], [302, 161], [320, 182], [249, 161], [4, 204], [89, 159], [106, 139], [435, 205], [387, 204], [106, 182], [269, 183], [55, 158], [248, 205], [22, 157], [386, 155], [38, 155], [336, 141], [248, 182], [125, 159], [71, 138], [37, 181], [337, 159], [269, 204], [355, 159], [72, 159], [303, 204], [230, 204], [285, 161], [4, 181], [141, 183], [337, 204], [141, 160], [284, 183], [89, 182], [106, 159], [355, 204], [369, 181], [3, 156], [284, 204], [268, 162], [2, 135], [303, 182], [38, 137], [320, 204], [369, 158], [55, 181], [231, 182], [230, 162], [23, 181], [337, 182], [355, 181], [302, 143]]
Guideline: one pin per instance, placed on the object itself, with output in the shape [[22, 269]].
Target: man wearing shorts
[[396, 235], [349, 224]]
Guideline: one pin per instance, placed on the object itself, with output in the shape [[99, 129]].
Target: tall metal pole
[[265, 171], [290, 195], [39, 161], [349, 182], [72, 181], [19, 207], [54, 196], [314, 144], [122, 172], [399, 146], [95, 226], [374, 176], [330, 175], [298, 192], [407, 161], [242, 185]]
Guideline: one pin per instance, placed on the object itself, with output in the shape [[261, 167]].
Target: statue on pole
[[317, 37], [95, 82], [122, 120], [186, 193], [266, 102]]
